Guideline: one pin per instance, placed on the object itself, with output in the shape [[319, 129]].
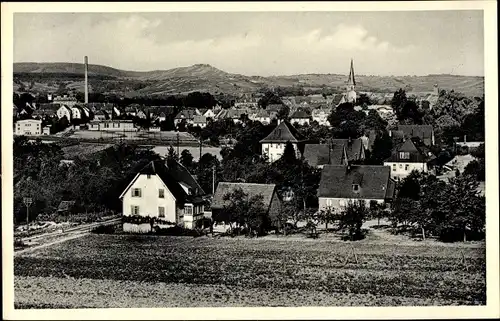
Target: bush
[[104, 229]]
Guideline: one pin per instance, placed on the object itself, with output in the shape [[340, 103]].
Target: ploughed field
[[159, 271]]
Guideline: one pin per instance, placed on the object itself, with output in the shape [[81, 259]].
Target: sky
[[260, 43]]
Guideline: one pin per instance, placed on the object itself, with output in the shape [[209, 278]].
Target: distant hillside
[[44, 77]]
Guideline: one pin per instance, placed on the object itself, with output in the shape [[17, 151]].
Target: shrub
[[104, 229]]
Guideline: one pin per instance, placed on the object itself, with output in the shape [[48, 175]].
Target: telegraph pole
[[27, 201], [201, 144], [213, 179], [178, 155]]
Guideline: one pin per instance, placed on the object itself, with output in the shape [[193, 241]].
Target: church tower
[[351, 85]]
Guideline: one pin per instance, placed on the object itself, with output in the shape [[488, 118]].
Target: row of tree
[[449, 211]]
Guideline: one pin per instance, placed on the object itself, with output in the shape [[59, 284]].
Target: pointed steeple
[[351, 81]]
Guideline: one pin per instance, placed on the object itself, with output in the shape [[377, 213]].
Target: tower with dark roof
[[351, 85]]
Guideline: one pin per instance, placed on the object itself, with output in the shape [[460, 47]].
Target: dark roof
[[283, 133], [421, 131], [317, 154], [299, 113], [274, 107], [418, 153], [353, 147], [172, 176], [65, 206], [374, 182], [333, 153], [251, 189], [186, 114]]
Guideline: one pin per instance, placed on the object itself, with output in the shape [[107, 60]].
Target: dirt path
[[54, 242]]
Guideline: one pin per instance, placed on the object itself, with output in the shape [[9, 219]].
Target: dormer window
[[404, 155], [355, 188]]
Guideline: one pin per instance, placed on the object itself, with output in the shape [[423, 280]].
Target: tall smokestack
[[86, 80]]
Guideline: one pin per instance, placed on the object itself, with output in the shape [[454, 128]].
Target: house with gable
[[186, 115], [271, 200], [341, 184], [261, 115], [64, 111], [424, 132], [273, 145], [200, 121], [336, 152], [301, 117], [166, 191], [320, 115], [409, 156]]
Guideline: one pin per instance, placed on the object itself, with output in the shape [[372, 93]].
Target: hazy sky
[[254, 43]]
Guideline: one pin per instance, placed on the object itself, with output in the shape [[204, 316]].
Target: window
[[161, 211], [393, 167], [188, 210], [406, 167], [404, 155], [328, 202], [134, 210], [136, 192], [355, 187], [161, 193], [400, 165]]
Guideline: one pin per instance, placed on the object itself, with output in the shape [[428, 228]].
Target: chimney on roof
[[86, 61]]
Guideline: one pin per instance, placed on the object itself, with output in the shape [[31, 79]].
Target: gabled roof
[[251, 189], [232, 113], [353, 147], [418, 154], [186, 114], [274, 107], [317, 154], [172, 176], [199, 119], [374, 182], [283, 133], [261, 113], [300, 113], [422, 131]]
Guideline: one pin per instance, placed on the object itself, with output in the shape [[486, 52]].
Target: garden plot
[[95, 270]]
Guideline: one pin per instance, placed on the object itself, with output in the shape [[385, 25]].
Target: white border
[[491, 94]]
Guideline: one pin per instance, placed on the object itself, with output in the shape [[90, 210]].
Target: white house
[[28, 127], [262, 116], [76, 112], [65, 100], [167, 192], [112, 125], [46, 130], [64, 111], [273, 145], [300, 117], [209, 113], [407, 158], [320, 115]]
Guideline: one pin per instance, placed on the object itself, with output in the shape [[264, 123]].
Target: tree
[[186, 159], [171, 155], [328, 216], [352, 218], [398, 100], [374, 121], [288, 156], [283, 112], [363, 99], [269, 98], [244, 211], [382, 148]]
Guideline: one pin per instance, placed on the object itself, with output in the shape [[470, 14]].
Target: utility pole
[[201, 144], [213, 179], [27, 201], [178, 155]]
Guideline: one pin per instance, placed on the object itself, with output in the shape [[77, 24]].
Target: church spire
[[351, 81]]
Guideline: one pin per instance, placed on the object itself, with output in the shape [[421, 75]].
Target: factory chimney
[[86, 80]]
